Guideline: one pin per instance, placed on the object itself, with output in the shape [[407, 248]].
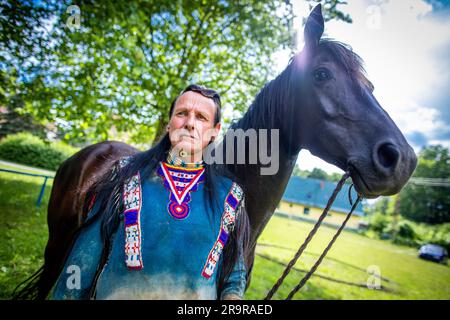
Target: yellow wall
[[334, 217]]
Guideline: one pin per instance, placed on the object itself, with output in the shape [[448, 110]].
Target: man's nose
[[190, 122]]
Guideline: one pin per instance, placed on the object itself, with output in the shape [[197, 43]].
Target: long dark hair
[[107, 192]]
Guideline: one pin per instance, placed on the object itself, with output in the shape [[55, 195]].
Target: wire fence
[[46, 177]]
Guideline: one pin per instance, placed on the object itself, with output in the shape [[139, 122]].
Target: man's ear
[[217, 128]]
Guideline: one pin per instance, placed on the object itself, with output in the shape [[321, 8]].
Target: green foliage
[[128, 59], [22, 36], [430, 204], [416, 234], [27, 149], [379, 223], [316, 173], [384, 224], [13, 122], [405, 230], [438, 234], [405, 234]]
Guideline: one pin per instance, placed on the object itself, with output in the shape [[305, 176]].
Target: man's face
[[192, 123]]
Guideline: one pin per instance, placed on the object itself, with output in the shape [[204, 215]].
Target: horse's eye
[[322, 74]]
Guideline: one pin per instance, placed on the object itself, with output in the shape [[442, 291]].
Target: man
[[163, 224]]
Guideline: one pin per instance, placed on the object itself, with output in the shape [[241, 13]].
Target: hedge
[[410, 233], [30, 150]]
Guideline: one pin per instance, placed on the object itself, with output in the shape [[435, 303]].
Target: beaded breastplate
[[180, 182]]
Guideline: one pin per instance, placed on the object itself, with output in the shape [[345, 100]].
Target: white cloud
[[306, 161]]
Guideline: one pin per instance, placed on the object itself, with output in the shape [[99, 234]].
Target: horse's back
[[77, 173], [65, 208]]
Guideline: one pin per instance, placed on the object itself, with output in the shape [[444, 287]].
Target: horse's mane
[[348, 59], [264, 112]]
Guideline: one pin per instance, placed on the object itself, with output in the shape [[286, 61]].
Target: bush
[[416, 234], [406, 235], [437, 234], [30, 150], [379, 223], [405, 230]]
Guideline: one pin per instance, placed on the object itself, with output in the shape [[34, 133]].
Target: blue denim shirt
[[174, 253]]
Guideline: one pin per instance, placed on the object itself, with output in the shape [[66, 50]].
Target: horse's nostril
[[388, 155]]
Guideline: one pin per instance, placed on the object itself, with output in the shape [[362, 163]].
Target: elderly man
[[163, 224]]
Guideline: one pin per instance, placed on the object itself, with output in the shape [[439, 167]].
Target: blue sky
[[406, 48]]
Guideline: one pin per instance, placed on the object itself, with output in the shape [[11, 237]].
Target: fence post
[[41, 194]]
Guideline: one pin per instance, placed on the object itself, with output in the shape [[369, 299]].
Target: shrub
[[30, 150], [379, 223], [437, 234], [405, 230], [406, 235]]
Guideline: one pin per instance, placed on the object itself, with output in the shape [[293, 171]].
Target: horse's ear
[[314, 27]]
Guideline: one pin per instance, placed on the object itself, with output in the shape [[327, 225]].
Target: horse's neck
[[271, 114], [270, 110]]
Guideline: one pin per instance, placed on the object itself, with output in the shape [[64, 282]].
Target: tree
[[24, 50], [430, 204], [12, 122], [382, 206], [297, 172], [317, 173], [127, 59]]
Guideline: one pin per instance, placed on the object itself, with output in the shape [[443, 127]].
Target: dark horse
[[322, 102]]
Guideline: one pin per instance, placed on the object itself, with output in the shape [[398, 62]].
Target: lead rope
[[324, 253], [308, 239]]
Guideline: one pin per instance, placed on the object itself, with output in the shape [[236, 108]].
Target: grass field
[[342, 275], [403, 275], [23, 231]]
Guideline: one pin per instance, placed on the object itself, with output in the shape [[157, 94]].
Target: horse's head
[[342, 122]]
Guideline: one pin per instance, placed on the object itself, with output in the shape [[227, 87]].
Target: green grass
[[23, 231], [405, 276], [23, 235]]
